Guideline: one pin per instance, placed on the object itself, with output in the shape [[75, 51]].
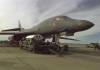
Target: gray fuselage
[[58, 24]]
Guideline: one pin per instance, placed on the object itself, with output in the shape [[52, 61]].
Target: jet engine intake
[[67, 34]]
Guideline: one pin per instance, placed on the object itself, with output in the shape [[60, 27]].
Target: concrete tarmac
[[78, 58]]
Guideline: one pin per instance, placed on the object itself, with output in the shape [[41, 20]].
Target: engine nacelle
[[67, 34], [11, 38]]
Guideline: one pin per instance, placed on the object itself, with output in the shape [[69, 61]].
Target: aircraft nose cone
[[84, 25]]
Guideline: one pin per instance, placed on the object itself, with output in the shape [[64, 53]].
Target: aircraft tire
[[65, 48], [59, 48]]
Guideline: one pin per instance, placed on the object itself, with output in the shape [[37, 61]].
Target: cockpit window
[[61, 17], [64, 17], [58, 18]]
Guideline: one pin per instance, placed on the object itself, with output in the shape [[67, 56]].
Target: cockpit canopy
[[62, 17]]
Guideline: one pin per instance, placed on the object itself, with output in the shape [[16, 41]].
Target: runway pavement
[[78, 58]]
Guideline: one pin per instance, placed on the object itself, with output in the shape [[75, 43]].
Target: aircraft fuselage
[[58, 25], [55, 27]]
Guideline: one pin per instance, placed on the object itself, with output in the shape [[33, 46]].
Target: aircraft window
[[61, 17], [64, 17], [58, 18]]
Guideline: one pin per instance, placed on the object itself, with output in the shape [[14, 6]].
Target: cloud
[[48, 8]]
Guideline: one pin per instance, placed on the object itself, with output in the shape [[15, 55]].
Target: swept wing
[[7, 33], [69, 39], [15, 29]]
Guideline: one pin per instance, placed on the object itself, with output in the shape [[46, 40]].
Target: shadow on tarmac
[[5, 63], [81, 53]]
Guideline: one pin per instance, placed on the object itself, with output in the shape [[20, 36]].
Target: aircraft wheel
[[65, 48], [59, 48]]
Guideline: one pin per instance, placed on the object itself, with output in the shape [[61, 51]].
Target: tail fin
[[20, 27], [15, 29]]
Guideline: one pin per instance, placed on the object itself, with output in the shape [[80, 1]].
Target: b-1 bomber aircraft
[[53, 27]]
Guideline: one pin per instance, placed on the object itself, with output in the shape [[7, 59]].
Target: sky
[[32, 12]]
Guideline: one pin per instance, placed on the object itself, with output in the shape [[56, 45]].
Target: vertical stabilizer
[[20, 26]]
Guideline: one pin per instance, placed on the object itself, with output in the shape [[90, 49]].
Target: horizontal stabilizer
[[7, 33], [15, 29], [69, 39]]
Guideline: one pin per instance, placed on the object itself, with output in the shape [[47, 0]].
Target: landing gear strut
[[56, 38]]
